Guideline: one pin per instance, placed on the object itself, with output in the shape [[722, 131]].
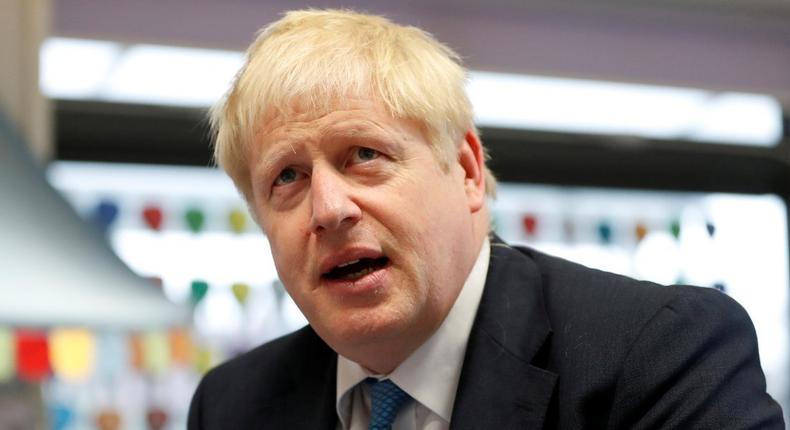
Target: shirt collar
[[431, 373]]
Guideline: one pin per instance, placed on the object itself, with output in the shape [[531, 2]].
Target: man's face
[[371, 237]]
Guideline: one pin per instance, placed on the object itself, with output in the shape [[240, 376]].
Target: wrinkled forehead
[[306, 109], [314, 94], [299, 109], [350, 122]]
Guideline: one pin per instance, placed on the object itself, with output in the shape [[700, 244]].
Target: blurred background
[[647, 139]]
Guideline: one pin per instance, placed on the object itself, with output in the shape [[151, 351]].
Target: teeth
[[360, 273], [349, 263]]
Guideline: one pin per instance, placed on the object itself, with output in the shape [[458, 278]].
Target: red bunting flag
[[152, 215], [530, 223], [32, 356]]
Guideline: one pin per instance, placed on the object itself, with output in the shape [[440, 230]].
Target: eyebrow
[[354, 128], [359, 131], [271, 157]]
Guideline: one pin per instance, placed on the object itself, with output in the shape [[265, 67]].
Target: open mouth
[[356, 269]]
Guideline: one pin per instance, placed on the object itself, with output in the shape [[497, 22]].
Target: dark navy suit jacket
[[554, 345]]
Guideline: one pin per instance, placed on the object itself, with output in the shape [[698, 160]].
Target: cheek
[[287, 243], [415, 207]]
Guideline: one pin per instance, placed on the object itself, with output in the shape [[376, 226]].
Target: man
[[352, 140]]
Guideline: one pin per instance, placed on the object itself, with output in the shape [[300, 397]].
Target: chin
[[357, 328]]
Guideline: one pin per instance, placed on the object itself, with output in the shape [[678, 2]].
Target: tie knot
[[386, 399]]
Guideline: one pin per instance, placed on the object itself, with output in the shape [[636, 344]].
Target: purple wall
[[724, 48]]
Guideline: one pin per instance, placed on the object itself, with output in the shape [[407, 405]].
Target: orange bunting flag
[[180, 347], [640, 231], [108, 419], [136, 351]]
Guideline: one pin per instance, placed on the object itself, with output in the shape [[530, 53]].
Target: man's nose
[[332, 205]]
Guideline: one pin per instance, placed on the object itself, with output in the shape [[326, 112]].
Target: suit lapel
[[310, 404], [502, 384]]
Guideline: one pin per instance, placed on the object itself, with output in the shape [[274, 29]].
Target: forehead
[[349, 117]]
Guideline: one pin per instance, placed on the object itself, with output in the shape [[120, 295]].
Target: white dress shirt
[[429, 375]]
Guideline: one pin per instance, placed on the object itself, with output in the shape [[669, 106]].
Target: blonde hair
[[316, 59]]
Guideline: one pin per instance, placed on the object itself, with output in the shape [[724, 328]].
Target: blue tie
[[386, 399]]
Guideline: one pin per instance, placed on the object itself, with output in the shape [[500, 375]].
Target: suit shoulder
[[584, 301], [709, 308], [620, 345], [563, 277], [272, 363], [255, 387], [704, 359]]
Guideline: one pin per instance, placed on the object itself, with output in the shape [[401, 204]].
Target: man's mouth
[[355, 269]]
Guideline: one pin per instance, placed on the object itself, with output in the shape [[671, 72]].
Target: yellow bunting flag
[[72, 352], [238, 220], [7, 355], [156, 352], [241, 291], [204, 360]]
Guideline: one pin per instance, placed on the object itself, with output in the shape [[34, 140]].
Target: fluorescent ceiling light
[[74, 68], [85, 69], [582, 106], [91, 70], [167, 75]]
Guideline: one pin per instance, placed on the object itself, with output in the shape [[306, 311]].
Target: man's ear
[[472, 161]]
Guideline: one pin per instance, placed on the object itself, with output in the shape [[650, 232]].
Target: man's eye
[[287, 176], [363, 154]]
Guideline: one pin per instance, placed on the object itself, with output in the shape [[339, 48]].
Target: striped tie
[[386, 400]]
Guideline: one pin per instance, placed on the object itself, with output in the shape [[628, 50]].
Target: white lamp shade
[[57, 270]]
